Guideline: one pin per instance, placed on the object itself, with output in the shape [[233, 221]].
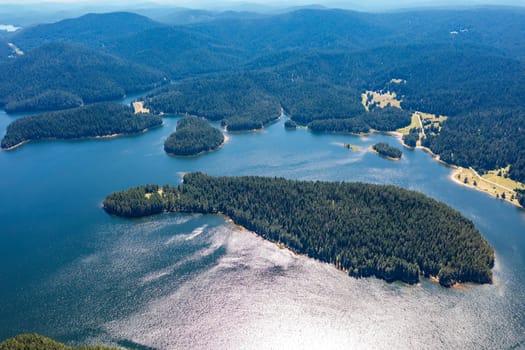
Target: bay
[[70, 271]]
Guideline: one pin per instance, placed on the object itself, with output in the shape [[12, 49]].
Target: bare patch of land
[[160, 192], [138, 107]]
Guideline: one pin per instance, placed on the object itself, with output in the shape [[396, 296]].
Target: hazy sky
[[374, 5], [284, 3]]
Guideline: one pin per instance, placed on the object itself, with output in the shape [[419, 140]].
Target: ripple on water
[[258, 296]]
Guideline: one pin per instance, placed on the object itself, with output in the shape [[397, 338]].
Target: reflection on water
[[191, 281]]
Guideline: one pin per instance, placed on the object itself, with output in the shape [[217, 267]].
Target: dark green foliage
[[385, 150], [193, 136], [455, 80], [368, 230], [95, 30], [135, 202], [290, 124], [485, 140], [100, 119], [55, 70], [181, 52], [49, 100], [412, 137], [236, 100], [521, 197], [517, 169], [38, 342], [387, 119], [382, 119], [352, 126], [306, 101]]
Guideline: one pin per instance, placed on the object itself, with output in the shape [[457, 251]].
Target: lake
[[70, 271]]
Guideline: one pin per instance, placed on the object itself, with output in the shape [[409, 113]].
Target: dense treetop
[[100, 119], [38, 342], [368, 230], [59, 75], [485, 140], [236, 100], [94, 30], [385, 150], [193, 135]]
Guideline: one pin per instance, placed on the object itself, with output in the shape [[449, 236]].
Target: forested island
[[387, 151], [365, 229], [193, 135], [96, 120], [38, 342]]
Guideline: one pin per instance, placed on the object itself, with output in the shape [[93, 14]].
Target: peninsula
[[367, 230], [97, 120]]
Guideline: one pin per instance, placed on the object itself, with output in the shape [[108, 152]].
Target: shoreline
[[226, 139], [281, 246], [99, 137], [457, 170]]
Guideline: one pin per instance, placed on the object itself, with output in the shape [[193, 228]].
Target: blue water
[[70, 271]]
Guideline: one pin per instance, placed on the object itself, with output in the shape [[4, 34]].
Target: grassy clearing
[[496, 186], [413, 124], [498, 177], [380, 99], [431, 122]]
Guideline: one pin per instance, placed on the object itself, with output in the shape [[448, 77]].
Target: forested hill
[[59, 75], [96, 120], [368, 230], [94, 30]]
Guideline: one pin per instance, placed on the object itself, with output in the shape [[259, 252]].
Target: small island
[[105, 119], [387, 151], [364, 229], [193, 136], [351, 147]]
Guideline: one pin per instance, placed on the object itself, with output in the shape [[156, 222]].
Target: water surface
[[70, 271]]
